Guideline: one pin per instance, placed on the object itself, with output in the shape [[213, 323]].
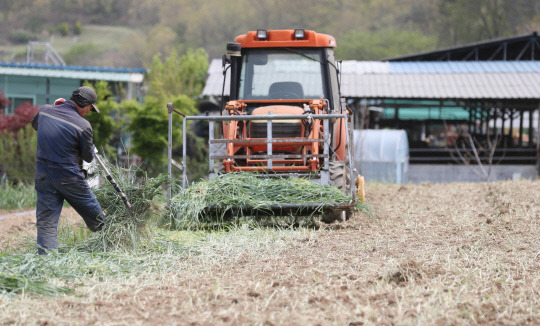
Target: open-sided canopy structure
[[482, 89]]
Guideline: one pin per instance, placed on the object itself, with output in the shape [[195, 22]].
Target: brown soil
[[445, 254], [17, 225]]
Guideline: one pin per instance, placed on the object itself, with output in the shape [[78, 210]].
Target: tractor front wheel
[[341, 179]]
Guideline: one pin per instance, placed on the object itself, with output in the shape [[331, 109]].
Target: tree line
[[365, 30]]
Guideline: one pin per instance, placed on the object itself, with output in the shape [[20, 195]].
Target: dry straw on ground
[[449, 254]]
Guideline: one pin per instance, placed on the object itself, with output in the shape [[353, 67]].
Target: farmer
[[64, 139]]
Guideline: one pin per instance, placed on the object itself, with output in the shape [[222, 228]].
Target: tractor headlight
[[299, 34], [262, 34]]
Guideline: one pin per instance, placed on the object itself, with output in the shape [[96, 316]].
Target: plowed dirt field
[[433, 254]]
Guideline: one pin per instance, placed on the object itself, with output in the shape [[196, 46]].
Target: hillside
[[131, 32], [96, 46]]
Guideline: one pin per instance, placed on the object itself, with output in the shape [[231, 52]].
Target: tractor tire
[[341, 179], [219, 168], [340, 176]]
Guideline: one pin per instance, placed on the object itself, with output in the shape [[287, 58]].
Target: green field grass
[[16, 196], [106, 38]]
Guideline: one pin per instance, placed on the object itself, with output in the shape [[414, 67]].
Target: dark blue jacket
[[63, 136]]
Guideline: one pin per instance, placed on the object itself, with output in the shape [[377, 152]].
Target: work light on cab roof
[[285, 38]]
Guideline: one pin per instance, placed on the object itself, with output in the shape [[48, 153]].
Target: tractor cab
[[282, 72], [283, 65]]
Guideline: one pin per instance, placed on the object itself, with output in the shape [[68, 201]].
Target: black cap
[[87, 95]]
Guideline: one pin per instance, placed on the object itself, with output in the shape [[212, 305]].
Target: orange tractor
[[285, 116]]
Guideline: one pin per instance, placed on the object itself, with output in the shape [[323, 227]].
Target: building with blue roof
[[41, 84]]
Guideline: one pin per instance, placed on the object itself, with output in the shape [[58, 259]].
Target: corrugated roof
[[439, 67], [485, 50], [73, 72], [447, 79], [214, 82]]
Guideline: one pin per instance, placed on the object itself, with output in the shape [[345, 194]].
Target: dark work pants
[[55, 183]]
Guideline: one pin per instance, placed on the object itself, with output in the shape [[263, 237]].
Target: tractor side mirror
[[234, 49], [224, 60]]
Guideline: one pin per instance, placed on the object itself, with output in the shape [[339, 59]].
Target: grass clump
[[195, 206], [125, 229]]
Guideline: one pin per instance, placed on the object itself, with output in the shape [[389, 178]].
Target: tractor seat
[[286, 90]]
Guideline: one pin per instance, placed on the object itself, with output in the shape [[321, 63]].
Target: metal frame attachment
[[324, 172], [171, 109]]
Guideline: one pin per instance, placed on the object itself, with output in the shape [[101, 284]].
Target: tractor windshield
[[281, 74]]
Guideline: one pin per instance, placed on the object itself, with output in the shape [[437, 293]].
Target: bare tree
[[477, 155]]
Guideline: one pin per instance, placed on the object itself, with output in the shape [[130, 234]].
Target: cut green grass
[[20, 284], [170, 251], [131, 243], [222, 200]]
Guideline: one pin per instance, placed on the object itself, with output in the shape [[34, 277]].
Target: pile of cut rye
[[189, 207]]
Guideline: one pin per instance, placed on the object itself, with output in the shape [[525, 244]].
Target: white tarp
[[382, 155]]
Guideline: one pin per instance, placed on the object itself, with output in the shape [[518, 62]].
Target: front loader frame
[[282, 170]]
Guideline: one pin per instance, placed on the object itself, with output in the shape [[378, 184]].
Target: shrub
[[18, 142], [18, 154], [81, 53], [63, 29], [16, 196], [22, 36], [77, 28], [23, 115], [103, 124]]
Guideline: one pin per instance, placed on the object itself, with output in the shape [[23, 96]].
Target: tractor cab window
[[281, 74]]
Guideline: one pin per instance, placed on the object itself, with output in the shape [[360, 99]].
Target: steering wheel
[[284, 95]]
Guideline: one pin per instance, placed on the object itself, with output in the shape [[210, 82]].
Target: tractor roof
[[285, 38]]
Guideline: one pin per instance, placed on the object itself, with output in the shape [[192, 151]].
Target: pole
[[269, 141], [184, 152], [349, 143], [326, 147], [169, 154], [211, 147], [48, 91]]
